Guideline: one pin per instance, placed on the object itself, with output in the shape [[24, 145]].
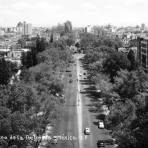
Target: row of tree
[[27, 106], [124, 89]]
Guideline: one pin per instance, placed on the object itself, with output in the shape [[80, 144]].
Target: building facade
[[143, 52], [27, 29]]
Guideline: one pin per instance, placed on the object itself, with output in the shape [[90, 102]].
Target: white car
[[100, 100], [115, 145], [57, 94], [98, 91], [101, 124], [87, 131]]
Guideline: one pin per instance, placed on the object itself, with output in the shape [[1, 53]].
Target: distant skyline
[[80, 12]]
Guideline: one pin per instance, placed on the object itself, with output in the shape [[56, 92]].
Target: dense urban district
[[66, 87]]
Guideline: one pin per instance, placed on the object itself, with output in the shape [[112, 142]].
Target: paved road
[[79, 106], [76, 113], [89, 117]]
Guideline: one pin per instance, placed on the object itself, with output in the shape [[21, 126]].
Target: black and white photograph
[[73, 73]]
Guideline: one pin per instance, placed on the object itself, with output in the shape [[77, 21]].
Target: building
[[134, 49], [56, 36], [13, 55], [2, 32], [123, 50], [91, 29], [27, 29], [143, 52]]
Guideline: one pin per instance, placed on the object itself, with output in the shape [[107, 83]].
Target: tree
[[131, 58], [77, 44], [7, 69], [114, 62], [27, 60], [21, 98], [128, 116], [126, 84], [34, 55], [41, 44], [87, 40], [51, 38], [5, 123], [130, 84]]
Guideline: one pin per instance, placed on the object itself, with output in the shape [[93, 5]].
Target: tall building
[[19, 24], [143, 26], [19, 27], [27, 29], [143, 52]]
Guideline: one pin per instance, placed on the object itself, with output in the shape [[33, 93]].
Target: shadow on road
[[95, 123], [86, 82], [100, 117]]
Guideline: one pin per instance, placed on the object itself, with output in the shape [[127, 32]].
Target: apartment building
[[143, 52], [27, 29], [13, 55]]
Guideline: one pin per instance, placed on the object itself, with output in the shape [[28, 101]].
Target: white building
[[27, 29], [14, 55], [2, 32]]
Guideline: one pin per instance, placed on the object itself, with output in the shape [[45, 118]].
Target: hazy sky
[[79, 12]]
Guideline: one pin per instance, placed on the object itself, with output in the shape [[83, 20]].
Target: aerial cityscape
[[73, 74]]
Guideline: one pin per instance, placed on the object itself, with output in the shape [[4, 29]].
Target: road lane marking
[[79, 110]]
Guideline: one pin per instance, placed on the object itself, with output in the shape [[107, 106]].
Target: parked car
[[100, 143], [100, 100], [98, 91], [87, 131], [81, 91], [61, 95], [110, 141], [57, 94], [101, 124], [116, 145]]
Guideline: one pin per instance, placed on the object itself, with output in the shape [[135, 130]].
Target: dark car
[[110, 141], [87, 131], [100, 143]]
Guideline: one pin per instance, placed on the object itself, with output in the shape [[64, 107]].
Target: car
[[100, 100], [61, 95], [57, 94], [100, 124], [80, 91], [80, 75], [84, 73], [100, 143], [116, 145], [110, 141], [87, 131]]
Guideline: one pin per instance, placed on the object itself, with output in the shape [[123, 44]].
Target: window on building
[[143, 50], [143, 45], [144, 61]]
